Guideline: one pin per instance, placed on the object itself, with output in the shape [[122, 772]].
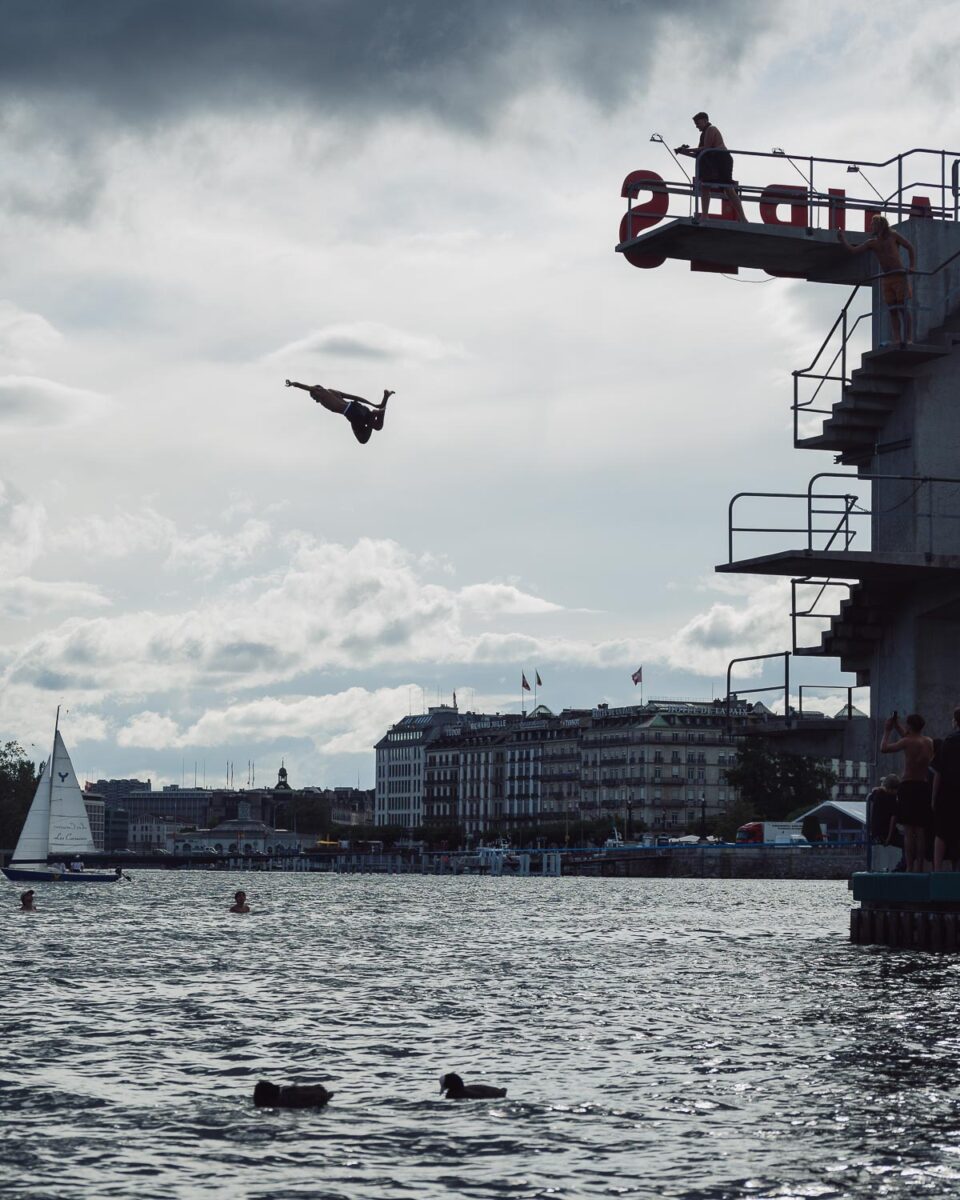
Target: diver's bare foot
[[386, 396]]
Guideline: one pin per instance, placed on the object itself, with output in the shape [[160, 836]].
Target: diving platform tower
[[874, 549]]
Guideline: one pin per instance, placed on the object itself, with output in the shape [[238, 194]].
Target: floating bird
[[453, 1087], [270, 1095]]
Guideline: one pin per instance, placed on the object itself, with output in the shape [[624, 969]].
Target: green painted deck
[[877, 888]]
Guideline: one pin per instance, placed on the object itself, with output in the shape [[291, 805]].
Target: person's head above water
[[239, 895], [26, 899]]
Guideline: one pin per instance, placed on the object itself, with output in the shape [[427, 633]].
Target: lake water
[[696, 1038]]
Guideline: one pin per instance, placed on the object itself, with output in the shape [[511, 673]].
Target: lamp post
[[703, 817]]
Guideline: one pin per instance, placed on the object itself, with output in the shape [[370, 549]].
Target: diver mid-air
[[364, 416]]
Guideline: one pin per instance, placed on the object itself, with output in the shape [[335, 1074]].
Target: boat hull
[[35, 875]]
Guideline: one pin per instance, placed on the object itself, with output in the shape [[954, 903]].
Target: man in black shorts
[[364, 416], [714, 166], [946, 798], [913, 795]]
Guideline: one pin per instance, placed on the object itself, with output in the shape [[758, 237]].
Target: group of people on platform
[[919, 810]]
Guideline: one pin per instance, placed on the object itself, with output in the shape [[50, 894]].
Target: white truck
[[771, 833]]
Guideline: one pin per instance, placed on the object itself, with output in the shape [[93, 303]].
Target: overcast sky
[[201, 200]]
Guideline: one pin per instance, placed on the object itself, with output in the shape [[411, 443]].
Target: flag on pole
[[526, 686], [637, 676], [539, 680]]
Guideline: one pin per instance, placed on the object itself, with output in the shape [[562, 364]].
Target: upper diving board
[[798, 252]]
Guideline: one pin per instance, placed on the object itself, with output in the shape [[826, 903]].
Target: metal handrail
[[849, 500], [847, 333], [920, 479], [795, 612], [848, 688], [818, 199], [785, 655]]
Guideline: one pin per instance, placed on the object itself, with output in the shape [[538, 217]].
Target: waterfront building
[[94, 804], [235, 837], [148, 834], [116, 828], [116, 791], [659, 766], [401, 765]]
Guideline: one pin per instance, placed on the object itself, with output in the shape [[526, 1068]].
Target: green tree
[[773, 786], [18, 782]]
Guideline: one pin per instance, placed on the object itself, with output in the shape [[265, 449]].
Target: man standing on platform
[[714, 166], [946, 798], [886, 244], [913, 795]]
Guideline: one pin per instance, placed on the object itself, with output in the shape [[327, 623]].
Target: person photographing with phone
[[914, 811]]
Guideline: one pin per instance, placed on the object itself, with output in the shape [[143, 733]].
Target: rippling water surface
[[695, 1038]]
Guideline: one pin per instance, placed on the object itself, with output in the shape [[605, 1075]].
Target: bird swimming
[[453, 1087], [270, 1095]]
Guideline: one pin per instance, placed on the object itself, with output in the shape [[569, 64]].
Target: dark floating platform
[[907, 910]]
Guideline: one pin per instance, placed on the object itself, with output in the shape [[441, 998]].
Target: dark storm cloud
[[460, 60]]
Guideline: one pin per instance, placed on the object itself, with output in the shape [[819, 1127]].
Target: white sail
[[35, 835], [69, 823]]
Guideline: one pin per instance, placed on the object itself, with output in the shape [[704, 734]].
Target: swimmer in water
[[26, 901], [240, 904], [364, 416]]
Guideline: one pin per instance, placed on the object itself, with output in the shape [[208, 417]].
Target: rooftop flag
[[539, 680], [524, 684], [637, 676]]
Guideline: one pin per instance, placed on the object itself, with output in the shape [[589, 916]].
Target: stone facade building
[[662, 764]]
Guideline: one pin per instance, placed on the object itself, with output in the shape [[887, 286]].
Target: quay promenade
[[723, 861]]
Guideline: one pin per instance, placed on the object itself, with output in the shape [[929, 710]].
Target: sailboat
[[56, 825]]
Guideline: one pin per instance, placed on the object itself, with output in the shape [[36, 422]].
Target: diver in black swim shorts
[[714, 166], [364, 416]]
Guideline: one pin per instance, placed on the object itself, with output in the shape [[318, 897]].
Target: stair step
[[863, 381], [845, 418], [869, 401], [913, 355]]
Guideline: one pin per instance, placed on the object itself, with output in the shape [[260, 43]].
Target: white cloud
[[368, 340], [25, 598], [707, 642], [23, 337], [151, 730], [29, 402], [23, 524]]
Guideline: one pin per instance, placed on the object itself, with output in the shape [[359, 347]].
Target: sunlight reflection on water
[[695, 1038]]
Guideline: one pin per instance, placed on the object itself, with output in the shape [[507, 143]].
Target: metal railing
[[848, 326], [844, 511], [785, 655], [815, 195], [829, 687], [850, 506], [811, 613]]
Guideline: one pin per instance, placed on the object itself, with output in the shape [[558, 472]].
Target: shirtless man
[[364, 416], [239, 904], [885, 244], [713, 168], [913, 796]]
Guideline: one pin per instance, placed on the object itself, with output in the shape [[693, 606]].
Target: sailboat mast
[[53, 762]]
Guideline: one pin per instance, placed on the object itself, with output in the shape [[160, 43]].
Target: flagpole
[[536, 684]]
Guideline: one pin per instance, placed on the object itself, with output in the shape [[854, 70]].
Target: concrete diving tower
[[896, 422], [890, 415]]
